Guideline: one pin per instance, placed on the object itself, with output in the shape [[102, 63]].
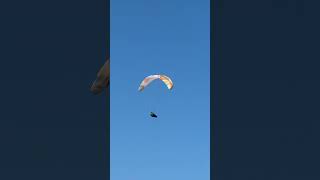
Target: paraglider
[[146, 81], [103, 78]]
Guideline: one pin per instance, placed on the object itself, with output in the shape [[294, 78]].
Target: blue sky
[[168, 37]]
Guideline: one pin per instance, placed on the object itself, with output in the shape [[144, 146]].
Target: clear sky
[[168, 37]]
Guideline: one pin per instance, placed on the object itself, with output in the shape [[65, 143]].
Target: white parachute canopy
[[146, 81]]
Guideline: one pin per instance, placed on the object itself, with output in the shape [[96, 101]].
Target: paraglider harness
[[153, 115]]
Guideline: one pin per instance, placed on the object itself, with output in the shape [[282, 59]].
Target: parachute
[[146, 81]]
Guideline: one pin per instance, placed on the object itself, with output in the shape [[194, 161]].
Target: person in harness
[[152, 114]]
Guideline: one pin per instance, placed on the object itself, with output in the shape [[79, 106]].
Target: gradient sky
[[160, 37]]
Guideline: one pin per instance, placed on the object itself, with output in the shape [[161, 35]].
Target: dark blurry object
[[153, 115], [103, 79]]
